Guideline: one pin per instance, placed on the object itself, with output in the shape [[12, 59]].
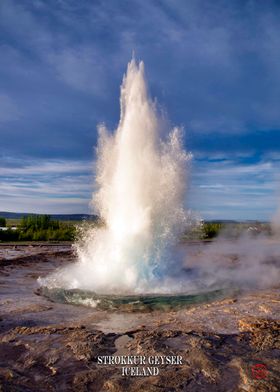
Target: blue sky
[[212, 65]]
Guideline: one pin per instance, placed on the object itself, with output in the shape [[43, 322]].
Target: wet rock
[[264, 333]]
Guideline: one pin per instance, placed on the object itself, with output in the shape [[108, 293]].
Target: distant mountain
[[62, 217], [219, 221], [80, 217], [229, 221]]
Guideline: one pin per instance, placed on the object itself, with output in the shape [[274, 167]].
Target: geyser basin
[[130, 303], [140, 196]]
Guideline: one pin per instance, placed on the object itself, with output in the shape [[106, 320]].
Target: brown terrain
[[230, 345]]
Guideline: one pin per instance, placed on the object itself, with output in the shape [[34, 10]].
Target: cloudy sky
[[214, 67]]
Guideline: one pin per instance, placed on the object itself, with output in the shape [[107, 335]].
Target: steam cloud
[[247, 262]]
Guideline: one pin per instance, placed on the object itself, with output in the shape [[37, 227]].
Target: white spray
[[141, 191]]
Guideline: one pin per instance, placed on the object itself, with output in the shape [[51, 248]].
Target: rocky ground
[[228, 345]]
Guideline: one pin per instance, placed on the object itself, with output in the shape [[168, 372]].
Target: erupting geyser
[[141, 190]]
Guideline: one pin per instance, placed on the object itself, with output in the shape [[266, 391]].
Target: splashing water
[[141, 190]]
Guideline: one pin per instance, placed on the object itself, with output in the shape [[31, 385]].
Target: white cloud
[[81, 68], [220, 60], [234, 190], [44, 205], [45, 186], [40, 167], [8, 109]]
